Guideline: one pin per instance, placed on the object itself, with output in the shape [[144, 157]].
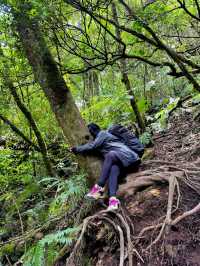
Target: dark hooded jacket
[[106, 142]]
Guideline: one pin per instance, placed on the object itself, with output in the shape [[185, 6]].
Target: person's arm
[[91, 145]]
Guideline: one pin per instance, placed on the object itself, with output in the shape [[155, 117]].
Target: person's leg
[[113, 186], [110, 160], [113, 180], [97, 190]]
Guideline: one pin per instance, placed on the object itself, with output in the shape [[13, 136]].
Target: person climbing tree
[[117, 158]]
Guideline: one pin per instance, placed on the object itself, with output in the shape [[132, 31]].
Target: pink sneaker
[[113, 204], [96, 192]]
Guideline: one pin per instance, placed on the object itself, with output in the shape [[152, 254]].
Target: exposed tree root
[[186, 173], [166, 224], [162, 174], [118, 222], [186, 214], [121, 224], [121, 263]]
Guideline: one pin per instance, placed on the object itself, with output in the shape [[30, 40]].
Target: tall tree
[[56, 90], [124, 73], [9, 84], [91, 86]]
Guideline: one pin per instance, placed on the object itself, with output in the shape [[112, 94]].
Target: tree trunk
[[51, 81], [91, 86], [126, 81], [32, 123], [9, 84], [125, 78]]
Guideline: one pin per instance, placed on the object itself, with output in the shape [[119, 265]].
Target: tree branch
[[19, 132], [183, 6], [198, 7]]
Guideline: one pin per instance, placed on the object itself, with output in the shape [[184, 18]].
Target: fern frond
[[35, 256]]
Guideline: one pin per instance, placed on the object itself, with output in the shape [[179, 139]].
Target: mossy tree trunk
[[56, 90]]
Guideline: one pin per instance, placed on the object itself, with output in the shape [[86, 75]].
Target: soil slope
[[178, 245]]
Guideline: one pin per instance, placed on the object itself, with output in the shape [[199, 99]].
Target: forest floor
[[177, 149]]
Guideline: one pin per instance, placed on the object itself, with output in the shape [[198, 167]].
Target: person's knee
[[111, 155]]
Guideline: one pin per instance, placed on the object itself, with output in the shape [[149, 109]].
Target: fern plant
[[45, 250], [146, 138], [69, 192]]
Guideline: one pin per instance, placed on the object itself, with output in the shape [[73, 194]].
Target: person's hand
[[73, 150]]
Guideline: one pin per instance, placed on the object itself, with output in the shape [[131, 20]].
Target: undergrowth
[[28, 203], [45, 251]]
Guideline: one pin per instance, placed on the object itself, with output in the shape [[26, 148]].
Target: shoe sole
[[103, 196], [113, 209], [93, 198]]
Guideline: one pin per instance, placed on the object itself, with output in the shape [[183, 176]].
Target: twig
[[179, 195], [21, 223], [158, 237], [147, 228], [8, 260]]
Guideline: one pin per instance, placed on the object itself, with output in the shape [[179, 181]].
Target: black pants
[[111, 171]]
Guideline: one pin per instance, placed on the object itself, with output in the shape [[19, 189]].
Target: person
[[117, 158]]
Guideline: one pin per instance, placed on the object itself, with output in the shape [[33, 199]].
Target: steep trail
[[167, 186], [181, 141], [178, 147]]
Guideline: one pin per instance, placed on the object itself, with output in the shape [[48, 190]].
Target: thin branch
[[148, 3], [19, 132], [180, 36], [198, 7], [183, 6]]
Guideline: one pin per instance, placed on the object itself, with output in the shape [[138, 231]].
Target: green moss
[[7, 249]]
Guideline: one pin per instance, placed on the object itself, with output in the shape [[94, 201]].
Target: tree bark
[[91, 86], [126, 81], [56, 90]]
